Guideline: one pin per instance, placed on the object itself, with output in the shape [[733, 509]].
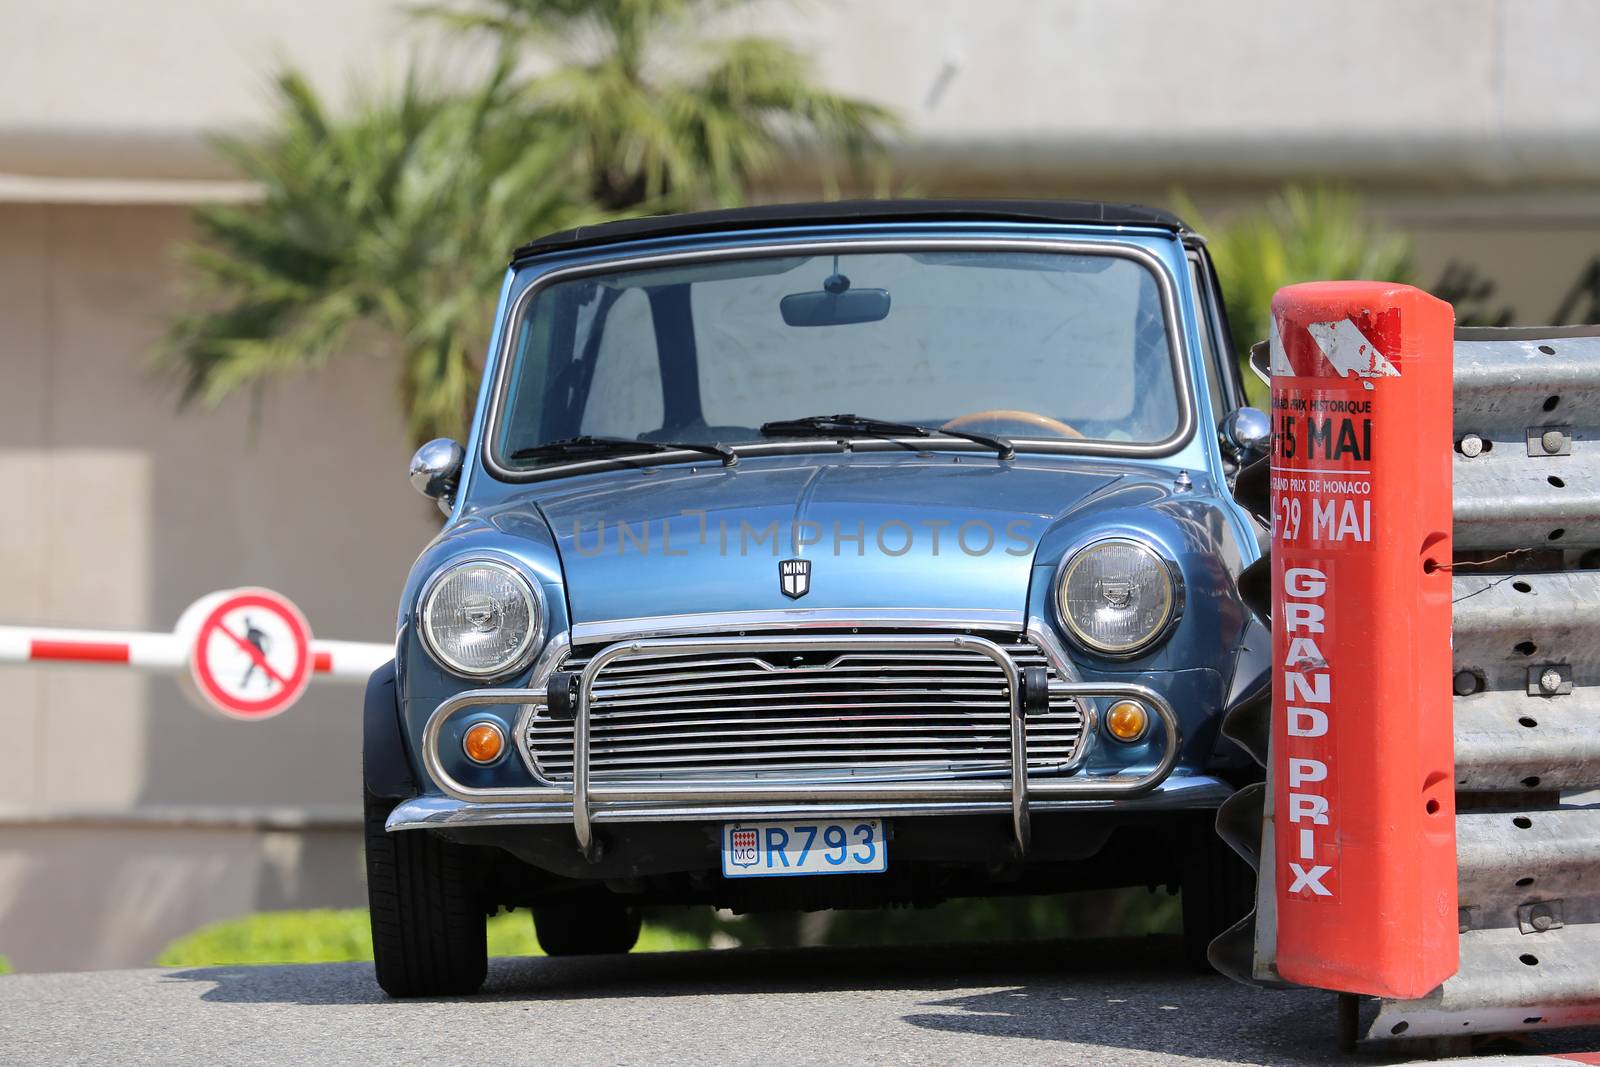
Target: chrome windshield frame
[[493, 429]]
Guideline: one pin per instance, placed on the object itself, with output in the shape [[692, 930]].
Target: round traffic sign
[[251, 655]]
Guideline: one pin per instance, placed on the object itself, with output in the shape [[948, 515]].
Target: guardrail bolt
[[1471, 445], [1540, 917], [1550, 680], [1553, 441], [1466, 683]]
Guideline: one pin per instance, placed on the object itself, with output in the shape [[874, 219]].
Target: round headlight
[[1116, 596], [481, 618]]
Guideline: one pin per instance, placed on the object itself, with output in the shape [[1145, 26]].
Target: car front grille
[[873, 713]]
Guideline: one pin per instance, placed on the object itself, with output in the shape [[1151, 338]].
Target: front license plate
[[771, 849]]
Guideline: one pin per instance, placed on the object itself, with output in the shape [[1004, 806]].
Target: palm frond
[[1301, 234], [397, 218], [394, 217]]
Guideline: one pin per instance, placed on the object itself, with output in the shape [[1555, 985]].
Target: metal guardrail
[[1526, 662], [1527, 459]]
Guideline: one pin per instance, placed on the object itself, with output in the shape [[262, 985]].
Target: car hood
[[887, 532]]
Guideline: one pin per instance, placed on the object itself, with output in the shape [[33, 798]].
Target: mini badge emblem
[[746, 847], [794, 577]]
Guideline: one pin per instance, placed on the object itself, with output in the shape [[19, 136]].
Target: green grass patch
[[5, 965], [341, 935]]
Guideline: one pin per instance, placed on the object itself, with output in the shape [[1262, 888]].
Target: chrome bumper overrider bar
[[610, 799]]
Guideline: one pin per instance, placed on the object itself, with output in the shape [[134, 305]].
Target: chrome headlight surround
[[1169, 598], [524, 593]]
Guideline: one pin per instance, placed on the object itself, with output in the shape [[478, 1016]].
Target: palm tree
[[389, 226], [665, 117]]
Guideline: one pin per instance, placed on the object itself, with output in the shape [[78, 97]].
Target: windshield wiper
[[599, 446], [833, 425]]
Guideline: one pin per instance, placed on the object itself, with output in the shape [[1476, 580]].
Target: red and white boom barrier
[[247, 654]]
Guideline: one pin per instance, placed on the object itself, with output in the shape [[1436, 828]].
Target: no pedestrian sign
[[251, 657]]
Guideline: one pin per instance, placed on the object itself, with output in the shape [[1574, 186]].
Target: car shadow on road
[[760, 970], [1132, 993], [669, 974], [1135, 994], [1204, 1018]]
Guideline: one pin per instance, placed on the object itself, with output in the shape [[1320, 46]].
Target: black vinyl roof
[[846, 211]]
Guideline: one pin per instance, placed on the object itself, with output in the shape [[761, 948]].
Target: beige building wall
[[119, 512], [1449, 92]]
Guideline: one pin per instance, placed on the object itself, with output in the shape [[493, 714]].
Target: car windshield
[[1041, 346]]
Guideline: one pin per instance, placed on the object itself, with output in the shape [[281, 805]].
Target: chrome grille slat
[[781, 762], [773, 703], [649, 661], [612, 697], [764, 742], [856, 675], [995, 756], [879, 712], [852, 766], [900, 672], [865, 735], [908, 722], [755, 754], [849, 708], [750, 667]]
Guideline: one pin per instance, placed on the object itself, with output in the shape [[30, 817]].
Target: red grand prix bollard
[[1365, 862]]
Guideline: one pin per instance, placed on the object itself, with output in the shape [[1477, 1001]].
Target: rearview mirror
[[823, 308], [436, 471]]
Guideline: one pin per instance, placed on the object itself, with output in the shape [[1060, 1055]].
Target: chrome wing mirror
[[1246, 433], [436, 471]]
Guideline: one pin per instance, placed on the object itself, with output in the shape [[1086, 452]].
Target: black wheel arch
[[385, 763]]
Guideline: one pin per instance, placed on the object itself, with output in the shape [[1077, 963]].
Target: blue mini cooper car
[[821, 556]]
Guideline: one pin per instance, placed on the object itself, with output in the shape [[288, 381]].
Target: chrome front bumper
[[585, 802]]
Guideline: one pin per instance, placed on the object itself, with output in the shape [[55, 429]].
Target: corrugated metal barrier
[[1525, 665], [1526, 676]]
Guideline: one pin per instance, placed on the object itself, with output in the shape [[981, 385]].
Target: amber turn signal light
[[1126, 720], [483, 742]]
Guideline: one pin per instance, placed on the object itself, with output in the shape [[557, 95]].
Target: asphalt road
[[1071, 1003]]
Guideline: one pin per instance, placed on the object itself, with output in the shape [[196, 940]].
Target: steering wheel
[[1028, 418]]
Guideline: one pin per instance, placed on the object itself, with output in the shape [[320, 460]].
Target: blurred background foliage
[[339, 935], [336, 935], [1301, 234], [387, 228], [662, 115], [1323, 233], [1090, 914]]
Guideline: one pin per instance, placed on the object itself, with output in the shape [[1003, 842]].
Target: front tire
[[1219, 889], [426, 905], [586, 926]]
